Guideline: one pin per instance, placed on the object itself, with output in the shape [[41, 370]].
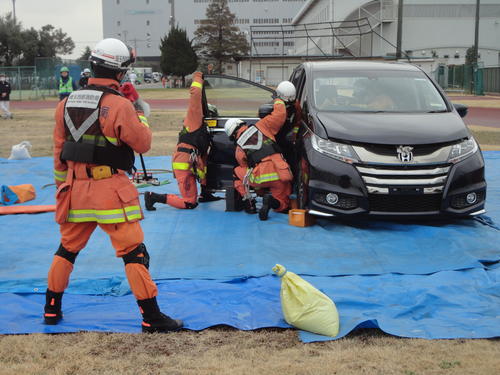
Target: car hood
[[394, 128]]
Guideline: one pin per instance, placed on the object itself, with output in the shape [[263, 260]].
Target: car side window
[[297, 81], [233, 97]]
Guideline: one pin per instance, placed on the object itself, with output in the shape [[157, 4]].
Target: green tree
[[177, 54], [21, 46], [470, 56], [217, 38], [11, 40], [86, 54], [54, 41]]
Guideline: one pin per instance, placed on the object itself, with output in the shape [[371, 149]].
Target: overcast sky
[[80, 19]]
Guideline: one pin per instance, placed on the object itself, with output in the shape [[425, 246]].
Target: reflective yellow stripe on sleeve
[[201, 173], [144, 120], [60, 175], [264, 178], [197, 84], [279, 101]]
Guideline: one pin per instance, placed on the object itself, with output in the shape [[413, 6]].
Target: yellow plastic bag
[[305, 307]]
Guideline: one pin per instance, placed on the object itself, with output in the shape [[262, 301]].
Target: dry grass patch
[[483, 103], [36, 126], [147, 94], [228, 351]]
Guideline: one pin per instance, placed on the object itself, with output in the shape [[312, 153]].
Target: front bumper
[[444, 192]]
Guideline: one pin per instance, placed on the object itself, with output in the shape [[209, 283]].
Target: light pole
[[475, 74], [400, 29], [14, 10]]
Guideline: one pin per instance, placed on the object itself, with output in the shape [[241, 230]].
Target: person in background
[[132, 77], [85, 78], [5, 90], [66, 84]]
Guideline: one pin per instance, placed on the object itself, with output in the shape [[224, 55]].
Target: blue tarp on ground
[[223, 246], [448, 304], [220, 245]]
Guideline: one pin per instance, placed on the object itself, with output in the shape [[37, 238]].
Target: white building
[[142, 23], [441, 30]]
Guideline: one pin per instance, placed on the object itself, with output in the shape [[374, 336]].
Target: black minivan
[[377, 138]]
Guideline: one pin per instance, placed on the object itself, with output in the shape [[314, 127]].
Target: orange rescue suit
[[190, 167], [271, 172], [83, 202]]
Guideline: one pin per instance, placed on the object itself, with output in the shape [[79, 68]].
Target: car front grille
[[404, 179], [404, 203]]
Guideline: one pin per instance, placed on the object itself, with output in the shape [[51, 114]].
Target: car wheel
[[301, 188]]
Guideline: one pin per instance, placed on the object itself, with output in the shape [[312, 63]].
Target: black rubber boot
[[268, 202], [53, 313], [250, 207], [206, 196], [151, 198], [153, 320]]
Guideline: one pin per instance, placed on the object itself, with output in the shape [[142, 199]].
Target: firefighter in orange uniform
[[189, 162], [96, 133], [261, 164]]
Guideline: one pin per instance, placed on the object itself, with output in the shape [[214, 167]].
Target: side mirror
[[461, 109]]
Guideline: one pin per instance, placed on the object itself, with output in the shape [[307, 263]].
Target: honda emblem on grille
[[405, 153]]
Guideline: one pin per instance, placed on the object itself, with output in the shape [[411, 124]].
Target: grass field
[[224, 350]]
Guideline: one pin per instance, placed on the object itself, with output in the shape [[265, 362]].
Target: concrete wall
[[267, 71]]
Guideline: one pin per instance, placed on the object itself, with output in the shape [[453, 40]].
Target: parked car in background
[[157, 76], [377, 138], [148, 78]]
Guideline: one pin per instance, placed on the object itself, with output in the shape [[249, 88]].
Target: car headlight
[[462, 150], [335, 150]]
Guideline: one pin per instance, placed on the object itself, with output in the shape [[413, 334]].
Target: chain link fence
[[468, 78], [41, 80]]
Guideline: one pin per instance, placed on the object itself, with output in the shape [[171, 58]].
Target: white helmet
[[86, 70], [112, 54], [286, 91], [231, 125]]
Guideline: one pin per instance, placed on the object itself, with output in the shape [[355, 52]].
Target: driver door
[[227, 97]]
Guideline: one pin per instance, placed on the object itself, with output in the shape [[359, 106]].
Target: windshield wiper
[[437, 111]]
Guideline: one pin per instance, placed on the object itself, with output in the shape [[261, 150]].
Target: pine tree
[[85, 54], [217, 38], [177, 54]]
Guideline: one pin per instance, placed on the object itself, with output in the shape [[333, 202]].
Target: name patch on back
[[84, 99]]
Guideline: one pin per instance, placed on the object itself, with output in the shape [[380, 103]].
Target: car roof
[[358, 65]]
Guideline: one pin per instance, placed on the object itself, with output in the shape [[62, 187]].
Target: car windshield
[[376, 91]]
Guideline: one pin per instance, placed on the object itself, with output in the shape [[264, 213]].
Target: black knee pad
[[133, 256], [190, 206], [68, 255]]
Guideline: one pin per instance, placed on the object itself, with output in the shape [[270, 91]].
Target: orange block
[[300, 218]]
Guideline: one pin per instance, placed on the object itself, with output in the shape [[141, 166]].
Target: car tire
[[300, 188]]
